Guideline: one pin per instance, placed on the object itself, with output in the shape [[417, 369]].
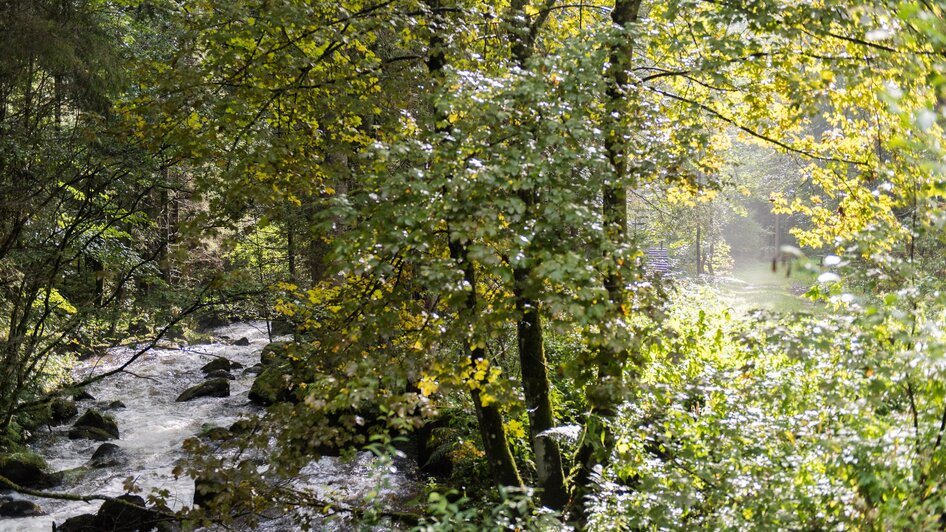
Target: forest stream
[[153, 426]]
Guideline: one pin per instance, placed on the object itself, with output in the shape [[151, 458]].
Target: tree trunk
[[605, 396], [502, 464], [699, 252]]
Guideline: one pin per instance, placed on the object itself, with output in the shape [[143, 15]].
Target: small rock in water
[[219, 374], [20, 508], [114, 405], [108, 455], [215, 364], [242, 342], [210, 388], [94, 425], [82, 395], [253, 370]]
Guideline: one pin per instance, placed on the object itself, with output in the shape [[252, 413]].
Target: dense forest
[[495, 264]]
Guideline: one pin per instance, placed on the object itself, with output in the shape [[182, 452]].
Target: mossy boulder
[[217, 364], [215, 433], [28, 470], [94, 425], [275, 352], [20, 508], [273, 385], [208, 388]]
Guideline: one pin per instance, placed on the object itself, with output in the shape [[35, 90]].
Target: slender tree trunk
[[502, 464], [699, 252], [550, 476], [605, 396]]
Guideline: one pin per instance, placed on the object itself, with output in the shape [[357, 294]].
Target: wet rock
[[273, 352], [82, 395], [210, 388], [115, 405], [94, 425], [62, 410], [79, 523], [270, 387], [235, 365], [244, 426], [242, 342], [108, 455], [128, 512], [215, 364], [253, 370], [216, 433], [20, 508], [219, 374], [28, 470], [89, 433]]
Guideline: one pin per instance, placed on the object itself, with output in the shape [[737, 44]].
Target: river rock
[[219, 374], [108, 455], [28, 470], [244, 425], [82, 395], [79, 523], [115, 405], [216, 433], [242, 342], [94, 425], [215, 364], [62, 410], [20, 508], [253, 370], [127, 514], [270, 387], [115, 515], [273, 352], [210, 388]]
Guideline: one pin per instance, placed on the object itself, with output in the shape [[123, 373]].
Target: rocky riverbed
[[152, 422]]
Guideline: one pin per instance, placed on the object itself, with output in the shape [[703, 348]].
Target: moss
[[24, 456]]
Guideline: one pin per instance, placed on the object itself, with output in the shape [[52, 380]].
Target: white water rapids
[[153, 426]]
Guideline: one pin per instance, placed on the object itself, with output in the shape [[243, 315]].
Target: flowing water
[[153, 426]]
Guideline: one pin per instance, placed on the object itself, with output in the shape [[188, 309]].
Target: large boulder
[[108, 455], [79, 523], [94, 425], [28, 470], [208, 388], [274, 352], [20, 508], [242, 342], [271, 386], [126, 513]]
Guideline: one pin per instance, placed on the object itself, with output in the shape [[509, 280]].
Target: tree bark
[[550, 476], [502, 464], [605, 396]]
